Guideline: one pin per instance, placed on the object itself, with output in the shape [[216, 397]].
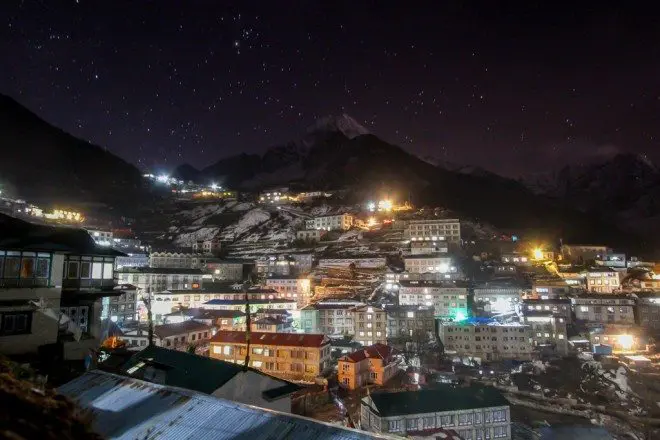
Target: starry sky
[[514, 87]]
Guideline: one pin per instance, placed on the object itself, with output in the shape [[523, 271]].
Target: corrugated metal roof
[[128, 409]]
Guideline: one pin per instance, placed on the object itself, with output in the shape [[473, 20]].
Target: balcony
[[90, 283]]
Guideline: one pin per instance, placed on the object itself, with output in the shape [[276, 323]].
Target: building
[[53, 281], [603, 279], [560, 307], [428, 247], [228, 270], [246, 405], [404, 321], [546, 288], [221, 319], [371, 365], [370, 325], [255, 304], [614, 260], [298, 288], [447, 299], [431, 263], [473, 412], [272, 324], [341, 222], [487, 342], [548, 331], [207, 247], [100, 237], [158, 279], [121, 308], [605, 309], [358, 263], [448, 230], [314, 235], [288, 355], [276, 196], [329, 317], [132, 260], [582, 253], [174, 260], [516, 259], [497, 296], [648, 311], [622, 338], [177, 336], [280, 265]]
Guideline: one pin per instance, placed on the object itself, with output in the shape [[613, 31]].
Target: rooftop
[[161, 270], [381, 351], [207, 313], [179, 328], [282, 339], [232, 302], [126, 409], [438, 399], [431, 255]]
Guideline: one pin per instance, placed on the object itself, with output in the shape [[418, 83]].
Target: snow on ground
[[187, 239]]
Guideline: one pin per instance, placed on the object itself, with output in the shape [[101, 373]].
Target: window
[[108, 271], [73, 269], [499, 416], [447, 420], [499, 431], [394, 426], [411, 424], [97, 270], [428, 422], [227, 350], [15, 323], [465, 419]]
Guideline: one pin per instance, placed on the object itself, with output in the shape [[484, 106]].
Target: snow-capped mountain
[[344, 124]]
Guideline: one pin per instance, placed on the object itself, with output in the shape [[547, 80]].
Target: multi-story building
[[228, 270], [615, 260], [370, 325], [549, 288], [428, 247], [648, 311], [473, 412], [272, 324], [560, 307], [548, 331], [370, 365], [304, 261], [488, 342], [341, 222], [122, 308], [359, 263], [52, 282], [448, 230], [447, 299], [314, 235], [404, 321], [497, 297], [298, 288], [177, 336], [431, 263], [329, 317], [276, 265], [158, 279], [582, 252], [174, 260], [221, 319], [255, 304], [288, 355], [275, 196], [603, 279], [605, 309], [622, 338], [516, 259], [100, 237]]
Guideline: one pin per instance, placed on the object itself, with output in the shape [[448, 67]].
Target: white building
[[314, 235], [100, 237], [548, 331], [299, 289], [178, 336], [448, 230], [276, 265], [359, 262], [431, 263], [428, 247], [497, 297], [613, 309], [475, 413], [603, 279], [447, 300], [175, 260], [341, 222], [132, 260], [329, 317], [487, 342]]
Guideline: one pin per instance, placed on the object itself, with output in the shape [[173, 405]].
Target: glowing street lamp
[[626, 342], [538, 254]]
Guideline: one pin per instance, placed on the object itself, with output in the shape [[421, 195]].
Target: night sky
[[514, 88]]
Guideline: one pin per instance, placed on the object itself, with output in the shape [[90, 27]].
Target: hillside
[[43, 164]]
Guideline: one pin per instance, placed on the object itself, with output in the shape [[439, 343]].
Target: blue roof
[[126, 408]]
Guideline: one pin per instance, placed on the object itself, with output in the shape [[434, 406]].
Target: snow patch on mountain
[[343, 124]]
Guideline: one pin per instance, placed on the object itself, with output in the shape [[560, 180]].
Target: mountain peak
[[338, 123]]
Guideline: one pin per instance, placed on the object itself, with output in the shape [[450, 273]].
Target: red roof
[[373, 351], [281, 339]]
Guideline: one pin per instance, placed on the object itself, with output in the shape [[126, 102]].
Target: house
[[622, 338], [329, 317], [157, 279], [207, 247], [210, 376], [648, 310], [272, 324], [122, 308], [487, 342], [280, 265], [582, 253], [431, 263], [371, 365], [357, 262], [298, 288], [341, 222], [473, 412], [175, 260], [132, 260], [314, 235], [404, 321], [125, 409], [448, 230], [574, 276], [614, 260], [291, 356], [448, 299], [516, 259], [370, 325], [222, 319], [549, 288], [229, 270], [178, 336], [560, 307], [53, 281], [497, 296], [255, 304], [603, 279], [606, 309]]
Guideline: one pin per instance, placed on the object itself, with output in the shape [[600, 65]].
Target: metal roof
[[125, 408]]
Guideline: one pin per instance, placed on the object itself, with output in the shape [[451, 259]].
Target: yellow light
[[626, 341], [371, 222], [538, 254]]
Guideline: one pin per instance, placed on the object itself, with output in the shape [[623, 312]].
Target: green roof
[[193, 372], [438, 399]]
